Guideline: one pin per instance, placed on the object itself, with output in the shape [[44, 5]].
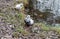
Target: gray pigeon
[[29, 21]]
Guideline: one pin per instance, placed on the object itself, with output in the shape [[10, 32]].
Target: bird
[[19, 6], [29, 21]]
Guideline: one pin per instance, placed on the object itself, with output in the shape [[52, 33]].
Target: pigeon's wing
[[31, 21]]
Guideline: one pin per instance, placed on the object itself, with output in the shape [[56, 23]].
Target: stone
[[19, 6]]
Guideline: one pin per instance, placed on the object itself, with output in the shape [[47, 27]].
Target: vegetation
[[45, 27]]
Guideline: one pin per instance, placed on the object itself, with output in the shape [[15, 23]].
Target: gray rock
[[47, 38], [36, 30]]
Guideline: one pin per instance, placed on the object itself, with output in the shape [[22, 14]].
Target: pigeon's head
[[21, 4], [28, 16]]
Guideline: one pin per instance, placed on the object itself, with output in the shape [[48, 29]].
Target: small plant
[[20, 16], [15, 34], [22, 31]]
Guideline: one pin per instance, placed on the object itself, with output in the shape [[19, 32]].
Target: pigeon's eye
[[21, 5]]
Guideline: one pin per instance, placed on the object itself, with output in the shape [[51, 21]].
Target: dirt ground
[[9, 20]]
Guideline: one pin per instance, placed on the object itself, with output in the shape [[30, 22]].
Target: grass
[[15, 20], [48, 27], [1, 14], [43, 26], [57, 29], [15, 34], [21, 30], [21, 16]]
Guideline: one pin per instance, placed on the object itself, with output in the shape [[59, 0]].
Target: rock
[[19, 6], [48, 7], [36, 30], [47, 4], [53, 36], [11, 26], [47, 38], [3, 38], [57, 25], [6, 37], [20, 38]]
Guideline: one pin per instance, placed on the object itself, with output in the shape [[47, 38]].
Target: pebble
[[19, 6]]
